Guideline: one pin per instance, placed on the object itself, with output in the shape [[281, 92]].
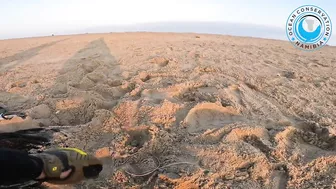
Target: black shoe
[[5, 115]]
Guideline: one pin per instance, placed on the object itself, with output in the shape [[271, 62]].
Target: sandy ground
[[238, 112]]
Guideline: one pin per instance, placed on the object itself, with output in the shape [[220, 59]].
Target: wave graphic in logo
[[307, 36]]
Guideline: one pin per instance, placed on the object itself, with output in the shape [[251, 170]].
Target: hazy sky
[[35, 17]]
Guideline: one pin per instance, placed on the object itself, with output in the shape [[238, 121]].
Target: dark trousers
[[17, 167]]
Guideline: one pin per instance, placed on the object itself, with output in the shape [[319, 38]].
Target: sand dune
[[237, 112]]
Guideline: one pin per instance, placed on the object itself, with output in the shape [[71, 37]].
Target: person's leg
[[17, 166]]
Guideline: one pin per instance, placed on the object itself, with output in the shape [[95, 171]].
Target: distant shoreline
[[217, 28]]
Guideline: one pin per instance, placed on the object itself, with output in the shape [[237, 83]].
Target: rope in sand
[[127, 172], [158, 167]]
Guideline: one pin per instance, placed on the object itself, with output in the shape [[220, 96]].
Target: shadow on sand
[[82, 86], [11, 62], [78, 71], [95, 56]]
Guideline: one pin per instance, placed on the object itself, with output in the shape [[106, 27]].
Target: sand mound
[[209, 112], [209, 115]]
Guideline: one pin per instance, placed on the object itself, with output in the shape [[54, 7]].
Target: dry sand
[[241, 112]]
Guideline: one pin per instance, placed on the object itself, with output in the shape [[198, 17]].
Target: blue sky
[[42, 17]]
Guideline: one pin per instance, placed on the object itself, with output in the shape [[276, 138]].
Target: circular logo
[[308, 27]]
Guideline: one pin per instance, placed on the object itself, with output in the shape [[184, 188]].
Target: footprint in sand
[[154, 95], [210, 115], [96, 77], [75, 110], [89, 66], [138, 136], [160, 61]]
